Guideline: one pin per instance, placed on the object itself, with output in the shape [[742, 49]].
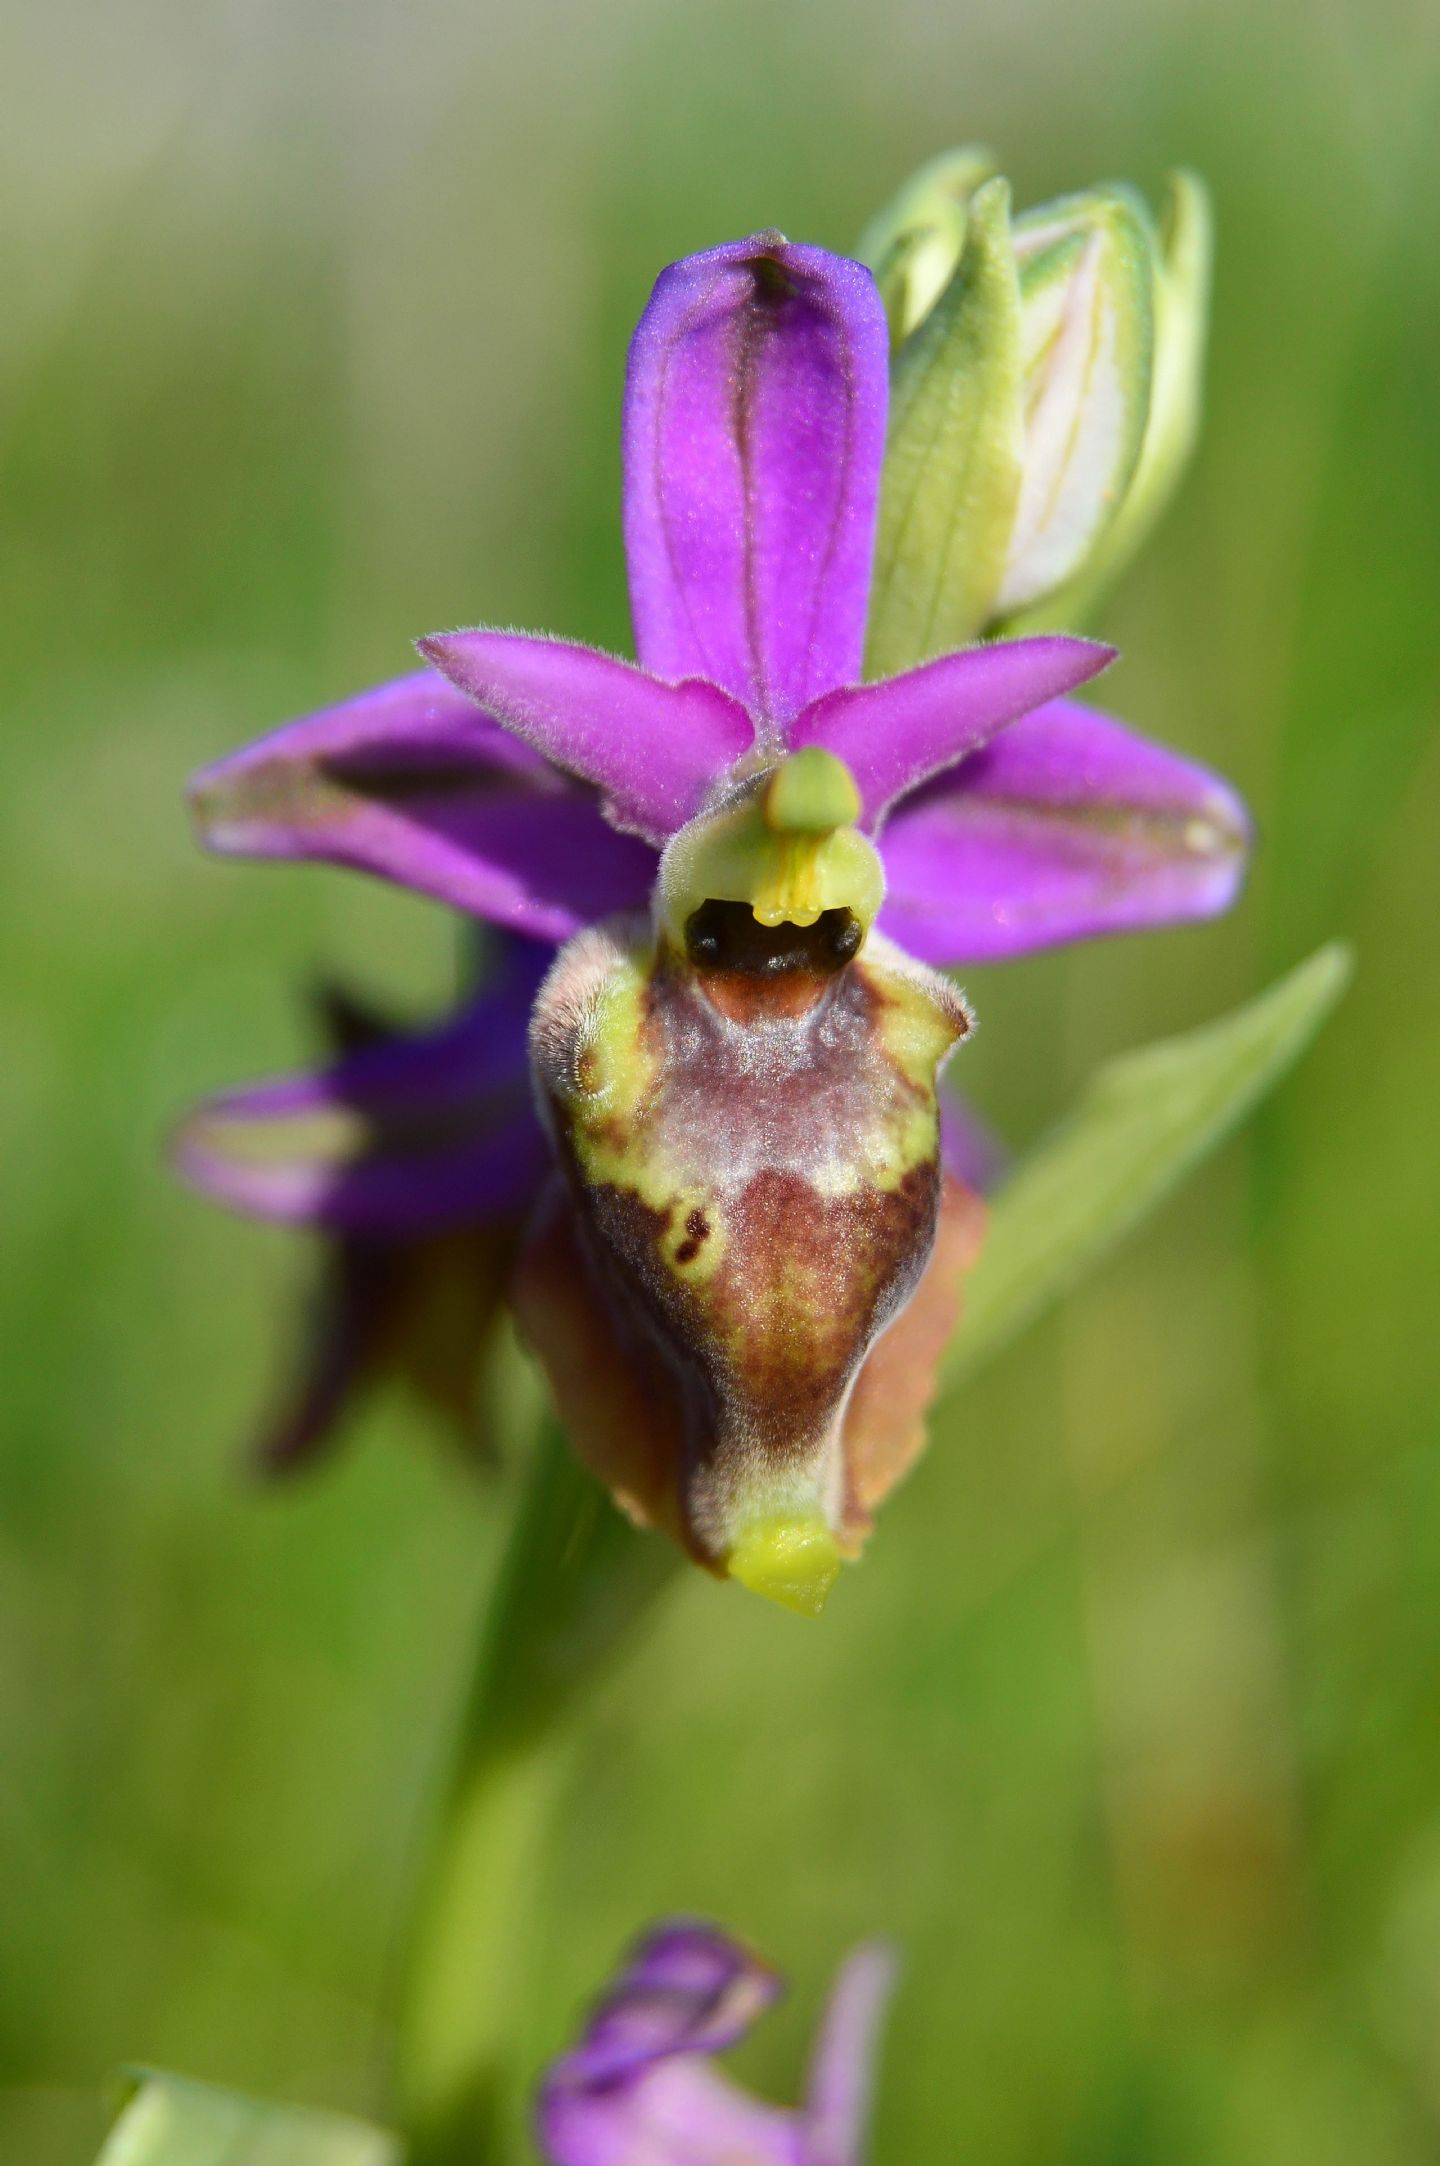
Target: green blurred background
[[311, 340]]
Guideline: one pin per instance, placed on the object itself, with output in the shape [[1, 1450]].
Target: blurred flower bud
[[1042, 406]]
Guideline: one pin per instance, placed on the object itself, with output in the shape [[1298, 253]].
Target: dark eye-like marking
[[728, 936]]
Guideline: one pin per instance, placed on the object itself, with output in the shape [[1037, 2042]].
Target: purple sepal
[[412, 782], [417, 1310], [895, 734], [395, 1140], [330, 1363], [408, 1302], [1067, 826], [652, 749], [639, 2090], [754, 433]]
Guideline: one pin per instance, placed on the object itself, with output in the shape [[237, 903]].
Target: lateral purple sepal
[[1068, 826], [754, 433], [402, 1138], [895, 734], [412, 782], [653, 750]]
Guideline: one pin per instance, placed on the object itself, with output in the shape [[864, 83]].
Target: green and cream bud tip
[[1045, 398]]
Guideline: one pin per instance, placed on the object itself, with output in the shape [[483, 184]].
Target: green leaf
[[1144, 1122], [170, 2121], [952, 461]]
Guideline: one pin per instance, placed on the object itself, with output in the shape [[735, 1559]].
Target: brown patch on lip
[[807, 1280], [632, 1414], [767, 1346], [744, 999]]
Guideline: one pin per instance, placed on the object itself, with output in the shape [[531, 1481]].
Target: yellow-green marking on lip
[[794, 1562]]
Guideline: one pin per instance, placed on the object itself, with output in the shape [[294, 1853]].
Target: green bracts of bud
[[1042, 407], [914, 244], [955, 455]]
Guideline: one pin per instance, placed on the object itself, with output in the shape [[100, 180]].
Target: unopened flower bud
[[1181, 301], [742, 1096], [1086, 274], [1042, 411]]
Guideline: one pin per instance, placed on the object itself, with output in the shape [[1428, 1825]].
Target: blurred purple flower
[[640, 2088]]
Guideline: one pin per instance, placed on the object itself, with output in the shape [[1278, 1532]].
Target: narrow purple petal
[[896, 734], [1066, 827], [412, 782], [343, 1187], [842, 2074], [402, 1138], [652, 749], [754, 434]]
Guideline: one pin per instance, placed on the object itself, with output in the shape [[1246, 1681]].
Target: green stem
[[461, 2097], [575, 1579]]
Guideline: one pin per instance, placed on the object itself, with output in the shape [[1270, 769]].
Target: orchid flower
[[640, 2088], [744, 1250]]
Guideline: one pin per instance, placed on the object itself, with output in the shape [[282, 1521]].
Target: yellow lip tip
[[790, 1561]]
